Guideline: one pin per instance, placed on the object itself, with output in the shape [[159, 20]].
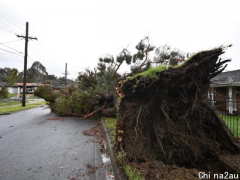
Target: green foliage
[[106, 59], [62, 105], [121, 156], [8, 75], [101, 66], [77, 101], [5, 73], [20, 77], [3, 92], [105, 81], [46, 92], [151, 72], [12, 79], [111, 124], [166, 55], [37, 72], [11, 95], [132, 173]]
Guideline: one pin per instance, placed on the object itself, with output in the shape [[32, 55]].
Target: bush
[[3, 92]]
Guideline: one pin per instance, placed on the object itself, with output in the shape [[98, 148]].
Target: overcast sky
[[78, 32]]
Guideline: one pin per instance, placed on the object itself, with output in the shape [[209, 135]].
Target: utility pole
[[66, 73], [25, 63]]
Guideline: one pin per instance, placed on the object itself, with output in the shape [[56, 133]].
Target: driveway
[[32, 147]]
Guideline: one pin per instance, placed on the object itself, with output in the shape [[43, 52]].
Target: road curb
[[110, 150], [100, 173]]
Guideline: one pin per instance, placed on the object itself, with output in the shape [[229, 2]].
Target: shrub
[[3, 92]]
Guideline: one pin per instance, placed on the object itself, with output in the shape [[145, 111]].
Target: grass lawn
[[11, 95], [9, 104], [111, 126], [33, 97], [18, 108], [132, 173], [233, 123]]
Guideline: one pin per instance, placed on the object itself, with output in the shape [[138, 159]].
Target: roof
[[60, 87], [29, 84], [229, 78], [7, 84], [3, 84], [19, 84]]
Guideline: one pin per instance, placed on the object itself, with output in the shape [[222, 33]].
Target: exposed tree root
[[168, 118]]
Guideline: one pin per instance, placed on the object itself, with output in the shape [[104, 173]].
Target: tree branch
[[94, 112], [118, 65], [90, 82], [62, 91]]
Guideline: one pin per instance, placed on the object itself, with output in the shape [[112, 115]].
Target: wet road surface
[[32, 147]]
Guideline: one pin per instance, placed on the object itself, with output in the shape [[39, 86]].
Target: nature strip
[[109, 148]]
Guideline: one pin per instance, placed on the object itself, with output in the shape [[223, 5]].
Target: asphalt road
[[32, 147]]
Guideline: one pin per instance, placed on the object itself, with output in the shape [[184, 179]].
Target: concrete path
[[32, 147]]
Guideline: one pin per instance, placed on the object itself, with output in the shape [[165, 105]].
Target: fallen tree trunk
[[167, 118]]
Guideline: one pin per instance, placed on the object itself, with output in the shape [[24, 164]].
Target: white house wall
[[13, 90]]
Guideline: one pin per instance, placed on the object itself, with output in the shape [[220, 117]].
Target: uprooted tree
[[166, 117], [98, 89], [163, 113]]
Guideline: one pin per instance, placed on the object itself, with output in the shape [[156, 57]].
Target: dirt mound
[[167, 118]]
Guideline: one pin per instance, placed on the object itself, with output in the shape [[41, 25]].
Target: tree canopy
[[37, 72]]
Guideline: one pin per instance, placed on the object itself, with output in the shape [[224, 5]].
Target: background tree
[[52, 80], [37, 73], [12, 79], [5, 73], [3, 92], [20, 77]]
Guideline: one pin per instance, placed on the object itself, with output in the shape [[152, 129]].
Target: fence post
[[230, 100]]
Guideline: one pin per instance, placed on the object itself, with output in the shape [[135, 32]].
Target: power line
[[35, 52], [46, 53], [12, 57], [11, 41], [42, 59], [39, 51], [45, 65], [30, 59], [11, 52], [11, 48], [9, 26], [6, 31], [12, 22]]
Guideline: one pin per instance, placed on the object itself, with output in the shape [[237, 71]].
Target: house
[[62, 85], [224, 93], [17, 88]]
